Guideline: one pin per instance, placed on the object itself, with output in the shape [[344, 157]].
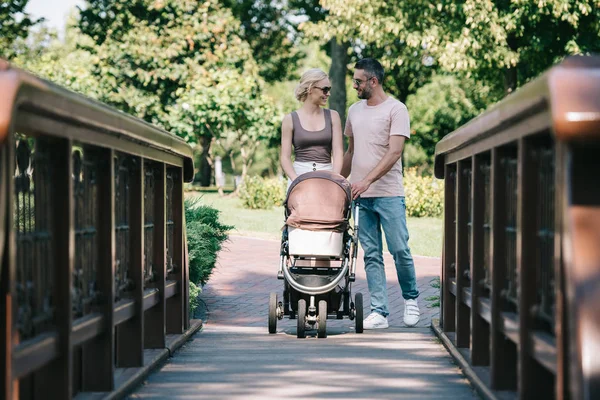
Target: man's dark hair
[[372, 67]]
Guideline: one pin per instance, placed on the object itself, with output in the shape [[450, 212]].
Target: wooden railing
[[520, 294], [92, 247]]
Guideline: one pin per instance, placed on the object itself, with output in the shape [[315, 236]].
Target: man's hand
[[359, 188]]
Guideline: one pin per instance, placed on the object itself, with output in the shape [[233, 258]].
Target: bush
[[194, 300], [205, 237], [262, 193], [424, 194]]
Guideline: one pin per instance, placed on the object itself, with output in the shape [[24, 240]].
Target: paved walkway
[[234, 357]]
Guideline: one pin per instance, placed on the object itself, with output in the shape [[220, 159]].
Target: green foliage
[[424, 195], [179, 64], [194, 300], [14, 24], [440, 107], [271, 35], [62, 62], [205, 236], [414, 156], [262, 193], [474, 37]]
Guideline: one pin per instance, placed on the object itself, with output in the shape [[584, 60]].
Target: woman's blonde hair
[[307, 81]]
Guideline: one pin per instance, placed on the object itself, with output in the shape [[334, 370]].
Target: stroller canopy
[[319, 200]]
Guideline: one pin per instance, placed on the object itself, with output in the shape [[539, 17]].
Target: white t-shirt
[[371, 128]]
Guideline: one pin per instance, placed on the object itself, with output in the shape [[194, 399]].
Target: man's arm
[[396, 145], [347, 166]]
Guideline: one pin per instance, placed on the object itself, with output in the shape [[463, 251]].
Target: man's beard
[[365, 94]]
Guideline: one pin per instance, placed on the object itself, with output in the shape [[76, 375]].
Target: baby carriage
[[318, 255]]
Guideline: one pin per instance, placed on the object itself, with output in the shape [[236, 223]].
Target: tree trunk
[[337, 75], [205, 164], [510, 80], [510, 74]]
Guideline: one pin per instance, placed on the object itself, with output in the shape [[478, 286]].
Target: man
[[377, 127]]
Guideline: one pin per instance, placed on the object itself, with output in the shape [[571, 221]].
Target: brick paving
[[246, 273], [234, 357]]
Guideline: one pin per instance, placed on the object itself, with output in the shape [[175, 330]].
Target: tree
[[476, 38], [268, 29], [14, 24], [442, 105], [61, 62], [157, 59]]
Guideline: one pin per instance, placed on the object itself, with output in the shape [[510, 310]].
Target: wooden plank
[[175, 304], [34, 354], [502, 358], [151, 298], [154, 319], [485, 309], [544, 350], [130, 346], [171, 290], [124, 311], [480, 332], [448, 300], [56, 376], [30, 121], [466, 297], [98, 353], [87, 328], [463, 329]]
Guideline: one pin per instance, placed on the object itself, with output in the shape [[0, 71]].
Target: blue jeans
[[388, 213]]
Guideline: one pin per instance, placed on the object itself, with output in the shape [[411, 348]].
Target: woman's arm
[[285, 157], [337, 142]]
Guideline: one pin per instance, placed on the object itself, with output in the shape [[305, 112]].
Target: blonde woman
[[313, 131]]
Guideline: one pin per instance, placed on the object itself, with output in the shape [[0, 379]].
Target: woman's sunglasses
[[325, 89]]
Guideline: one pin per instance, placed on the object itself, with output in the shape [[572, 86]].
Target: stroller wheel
[[301, 319], [273, 313], [358, 299], [322, 332]]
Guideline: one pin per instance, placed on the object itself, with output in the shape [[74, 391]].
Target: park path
[[234, 357]]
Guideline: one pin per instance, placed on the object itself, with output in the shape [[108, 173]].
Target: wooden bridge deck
[[234, 357]]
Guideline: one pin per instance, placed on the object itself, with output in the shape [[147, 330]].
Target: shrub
[[262, 193], [205, 237], [424, 194], [194, 300]]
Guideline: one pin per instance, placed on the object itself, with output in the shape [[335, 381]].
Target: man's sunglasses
[[325, 89], [359, 82]]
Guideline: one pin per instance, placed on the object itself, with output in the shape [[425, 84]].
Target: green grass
[[425, 233]]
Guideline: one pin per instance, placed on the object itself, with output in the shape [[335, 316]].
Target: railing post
[[175, 304], [528, 385], [501, 371], [8, 272], [480, 339], [154, 320], [56, 377], [562, 323], [582, 269], [448, 263], [130, 347], [462, 256], [98, 353]]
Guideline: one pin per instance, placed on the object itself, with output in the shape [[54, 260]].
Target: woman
[[314, 132]]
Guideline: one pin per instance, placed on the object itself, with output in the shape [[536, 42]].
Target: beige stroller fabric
[[318, 201]]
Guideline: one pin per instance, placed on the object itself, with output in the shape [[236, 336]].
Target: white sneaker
[[411, 312], [375, 321]]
